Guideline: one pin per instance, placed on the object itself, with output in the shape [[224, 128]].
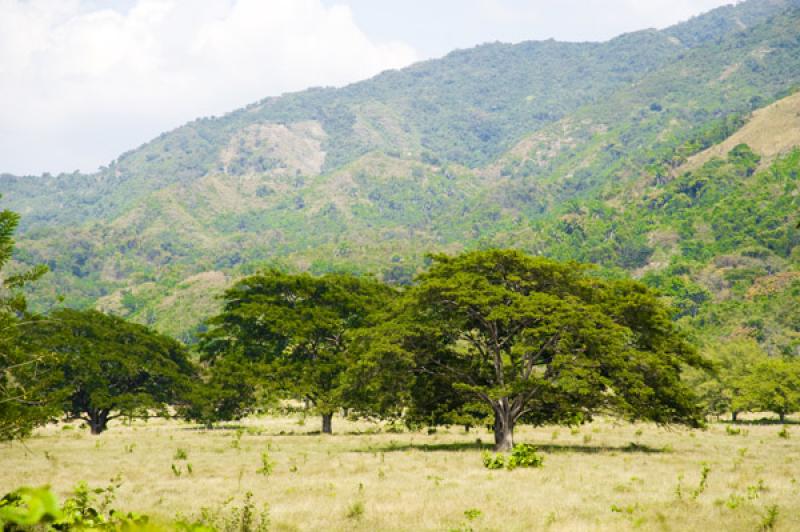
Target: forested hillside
[[599, 152]]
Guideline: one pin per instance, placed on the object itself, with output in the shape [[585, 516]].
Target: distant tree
[[773, 385], [721, 391], [109, 367], [22, 383], [297, 327], [539, 341]]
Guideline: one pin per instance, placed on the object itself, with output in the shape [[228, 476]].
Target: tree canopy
[[540, 341], [108, 367], [296, 327]]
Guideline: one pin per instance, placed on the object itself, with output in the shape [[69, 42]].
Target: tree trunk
[[734, 415], [782, 416], [327, 427], [503, 431], [98, 421]]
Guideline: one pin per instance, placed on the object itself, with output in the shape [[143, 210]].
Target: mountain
[[527, 145]]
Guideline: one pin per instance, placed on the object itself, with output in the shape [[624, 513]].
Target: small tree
[[109, 367], [773, 385], [297, 327], [540, 341], [721, 391]]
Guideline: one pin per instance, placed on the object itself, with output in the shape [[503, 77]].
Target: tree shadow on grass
[[480, 446], [762, 421]]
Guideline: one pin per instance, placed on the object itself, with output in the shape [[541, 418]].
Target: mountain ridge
[[486, 146]]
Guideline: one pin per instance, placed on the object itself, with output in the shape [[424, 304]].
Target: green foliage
[[484, 147], [108, 367], [522, 455], [86, 509], [538, 341], [297, 328], [494, 461], [22, 388], [267, 465]]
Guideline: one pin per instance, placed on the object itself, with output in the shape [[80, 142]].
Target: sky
[[82, 81]]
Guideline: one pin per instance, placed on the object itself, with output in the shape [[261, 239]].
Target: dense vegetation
[[481, 148]]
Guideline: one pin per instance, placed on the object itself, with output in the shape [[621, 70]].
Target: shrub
[[522, 455]]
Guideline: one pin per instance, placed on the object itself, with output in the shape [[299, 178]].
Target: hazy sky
[[82, 81]]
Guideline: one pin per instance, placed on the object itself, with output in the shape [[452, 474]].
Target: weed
[[176, 470], [355, 510], [770, 518], [703, 482], [730, 431], [472, 514], [753, 492], [180, 454], [246, 518], [267, 465], [784, 433]]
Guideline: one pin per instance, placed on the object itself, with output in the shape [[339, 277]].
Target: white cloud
[[79, 85]]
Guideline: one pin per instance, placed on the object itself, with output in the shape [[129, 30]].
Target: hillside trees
[[539, 341], [107, 367], [296, 328], [773, 385], [21, 383]]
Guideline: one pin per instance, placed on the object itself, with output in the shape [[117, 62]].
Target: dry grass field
[[603, 476]]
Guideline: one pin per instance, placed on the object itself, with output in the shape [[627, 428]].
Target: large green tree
[[109, 367], [22, 382], [297, 328], [538, 341]]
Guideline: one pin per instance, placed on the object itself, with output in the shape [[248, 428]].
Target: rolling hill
[[588, 151]]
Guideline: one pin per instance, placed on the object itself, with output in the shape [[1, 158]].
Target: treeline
[[487, 338]]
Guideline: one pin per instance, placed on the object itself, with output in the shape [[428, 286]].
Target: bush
[[522, 455]]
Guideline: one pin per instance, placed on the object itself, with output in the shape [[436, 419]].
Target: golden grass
[[771, 131], [417, 481]]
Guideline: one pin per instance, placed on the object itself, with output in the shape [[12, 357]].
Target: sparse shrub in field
[[267, 465], [472, 514], [784, 433], [753, 492], [176, 470], [181, 454], [493, 461], [734, 501], [770, 518], [522, 455], [246, 518], [703, 482], [355, 510], [730, 431], [237, 439]]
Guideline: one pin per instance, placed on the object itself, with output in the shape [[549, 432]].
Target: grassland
[[603, 476]]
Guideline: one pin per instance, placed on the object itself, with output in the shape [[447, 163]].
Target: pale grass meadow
[[606, 475]]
